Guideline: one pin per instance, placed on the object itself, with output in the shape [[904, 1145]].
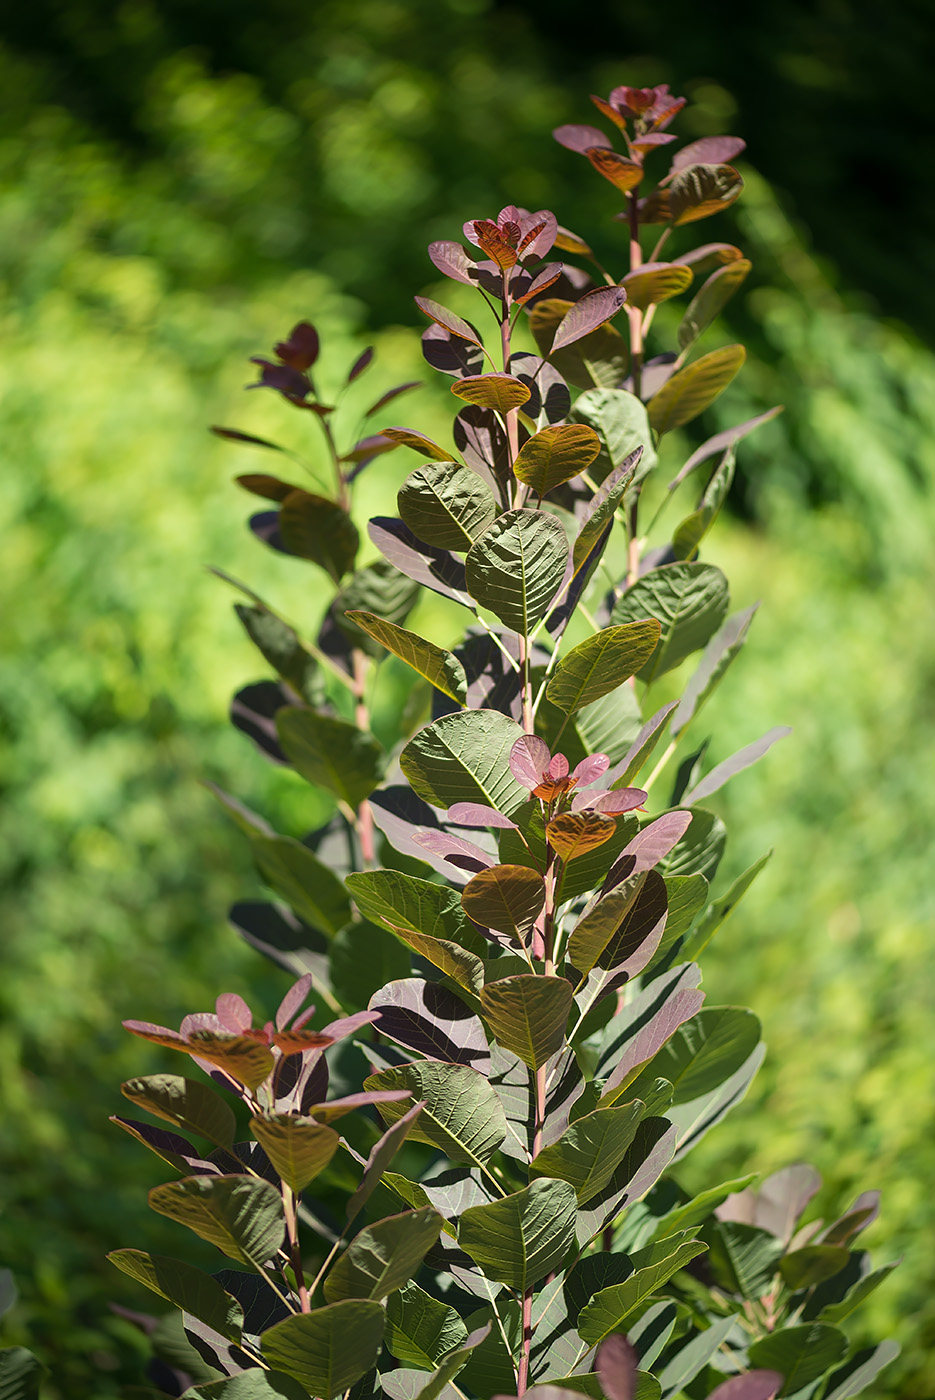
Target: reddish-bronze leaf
[[269, 487], [623, 174], [573, 834], [498, 391], [655, 282], [406, 437]]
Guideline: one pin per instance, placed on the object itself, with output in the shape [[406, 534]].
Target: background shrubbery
[[176, 189]]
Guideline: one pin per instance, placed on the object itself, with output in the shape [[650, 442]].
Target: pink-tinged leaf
[[611, 113], [752, 1385], [337, 1108], [476, 814], [349, 1025], [500, 392], [293, 1001], [406, 437], [590, 769], [498, 243], [594, 309], [581, 138], [648, 848], [233, 1012], [370, 447], [623, 174], [159, 1035], [443, 317], [611, 803], [451, 259], [232, 435], [537, 233], [297, 1042], [437, 569], [744, 758], [364, 359], [392, 394], [709, 256], [616, 1363], [450, 354], [300, 351], [573, 834], [529, 760], [199, 1021], [462, 854], [651, 140], [558, 767], [543, 280], [720, 442], [710, 150], [674, 1012], [642, 746]]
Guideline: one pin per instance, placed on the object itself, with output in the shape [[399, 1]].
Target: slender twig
[[362, 720], [295, 1253]]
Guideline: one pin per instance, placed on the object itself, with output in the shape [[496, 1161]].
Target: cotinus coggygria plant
[[505, 913]]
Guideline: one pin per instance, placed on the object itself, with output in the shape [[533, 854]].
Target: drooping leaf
[[601, 662], [601, 508], [327, 1349], [837, 1312], [586, 314], [690, 601], [694, 388], [438, 666], [523, 1237], [816, 1263], [623, 773], [609, 1309], [718, 655], [721, 909], [694, 527], [508, 898], [744, 758], [501, 392], [446, 505], [655, 282], [721, 442], [418, 442], [620, 421], [590, 1149], [456, 325], [188, 1288], [299, 1148], [800, 1354], [598, 360], [431, 1020], [465, 758], [331, 753], [692, 1358], [711, 298], [186, 1104], [556, 455], [382, 1153], [573, 834], [20, 1373], [699, 1208], [528, 1014], [462, 1114], [241, 1215], [420, 1329], [698, 191], [303, 881], [176, 1150], [384, 1256], [281, 647], [859, 1371], [318, 529], [743, 1259], [516, 567]]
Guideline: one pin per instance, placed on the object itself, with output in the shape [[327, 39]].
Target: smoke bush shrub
[[505, 913]]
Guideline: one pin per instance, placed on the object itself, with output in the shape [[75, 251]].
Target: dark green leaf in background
[[303, 881], [621, 423], [318, 529], [331, 753], [609, 1309], [801, 1354]]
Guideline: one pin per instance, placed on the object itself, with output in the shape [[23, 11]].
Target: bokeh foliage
[[166, 177]]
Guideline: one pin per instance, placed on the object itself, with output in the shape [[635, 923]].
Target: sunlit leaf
[[528, 1015], [299, 1148], [423, 563], [241, 1215], [610, 1308], [456, 325], [555, 455], [381, 1154], [303, 881], [465, 758], [711, 298], [800, 1354], [710, 150], [497, 391], [573, 834], [586, 314], [601, 662], [698, 191], [327, 1349], [590, 1149], [420, 1329], [694, 388], [437, 665], [620, 421], [704, 1052], [623, 174], [655, 282], [186, 1104], [743, 1259], [516, 567], [508, 898], [751, 1385], [383, 1256], [602, 507], [739, 761], [860, 1370], [462, 1114], [694, 527], [721, 442], [249, 1385], [690, 601], [331, 753], [446, 505], [520, 1239], [188, 1288], [406, 437], [598, 359]]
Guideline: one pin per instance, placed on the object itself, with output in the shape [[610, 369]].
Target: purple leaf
[[616, 1364], [437, 569], [171, 1147], [480, 437], [783, 1197], [337, 1108], [380, 1157], [548, 392], [581, 138], [744, 758], [443, 317], [450, 354], [679, 1008], [710, 150], [464, 855], [392, 394], [537, 233], [286, 381], [648, 1156], [715, 658], [300, 1081], [233, 1012], [300, 351], [751, 1385], [648, 848], [431, 1021], [360, 364], [594, 309], [348, 1025], [720, 442], [232, 435], [856, 1218], [253, 711], [611, 803], [590, 769], [265, 525], [293, 1001], [476, 814], [529, 761], [407, 437], [524, 288], [642, 746], [452, 260]]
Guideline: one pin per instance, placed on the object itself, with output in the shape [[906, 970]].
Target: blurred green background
[[179, 183]]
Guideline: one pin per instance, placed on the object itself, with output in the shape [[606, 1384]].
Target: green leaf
[[462, 1114], [647, 1388], [465, 758], [516, 567], [450, 1364], [590, 1150], [438, 666], [609, 1309], [299, 1148], [621, 423], [241, 1215], [318, 529], [700, 850], [303, 881], [186, 1103], [501, 392], [282, 648], [693, 389], [704, 1052], [188, 1288], [331, 753], [858, 1371], [801, 1354], [803, 1268], [690, 601], [508, 898], [611, 724], [384, 1256], [602, 507], [652, 283], [694, 527], [249, 1385], [19, 1374], [837, 1312], [721, 909], [600, 926], [420, 1329], [556, 455], [528, 1015], [328, 1349], [692, 1358], [700, 1207], [446, 505], [379, 588], [711, 298], [523, 1237], [743, 1258], [685, 895], [601, 662], [426, 917], [718, 655]]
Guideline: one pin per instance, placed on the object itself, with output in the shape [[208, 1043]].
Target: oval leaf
[[698, 191], [590, 1150], [331, 753], [299, 1148], [447, 319], [801, 1354], [711, 299], [461, 1113], [438, 666], [692, 389], [186, 1103], [188, 1288], [690, 601], [446, 505], [318, 529], [517, 566], [601, 662], [586, 314], [406, 437], [465, 758], [528, 1015], [328, 1349], [498, 391], [519, 1240], [655, 282], [623, 174], [555, 455], [573, 834], [508, 898], [241, 1215], [384, 1256]]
